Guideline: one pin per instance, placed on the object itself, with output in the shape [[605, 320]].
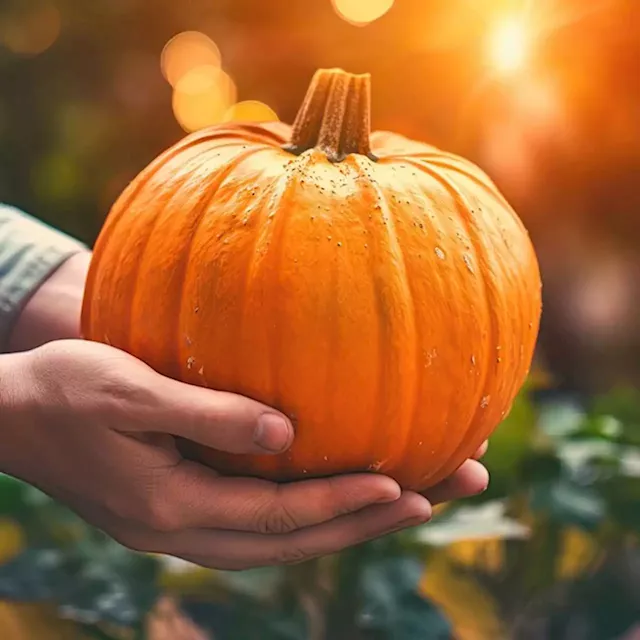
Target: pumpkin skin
[[387, 301]]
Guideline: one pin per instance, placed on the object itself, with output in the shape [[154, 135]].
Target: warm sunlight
[[508, 45], [361, 12]]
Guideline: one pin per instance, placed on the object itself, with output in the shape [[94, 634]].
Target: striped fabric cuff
[[30, 251]]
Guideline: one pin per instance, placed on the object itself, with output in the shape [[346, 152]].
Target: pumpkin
[[379, 291]]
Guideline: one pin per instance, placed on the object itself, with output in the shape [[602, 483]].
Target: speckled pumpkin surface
[[378, 290]]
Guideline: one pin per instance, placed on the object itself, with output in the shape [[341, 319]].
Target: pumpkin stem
[[335, 116]]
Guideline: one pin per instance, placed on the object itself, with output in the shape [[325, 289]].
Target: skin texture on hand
[[53, 312], [95, 428]]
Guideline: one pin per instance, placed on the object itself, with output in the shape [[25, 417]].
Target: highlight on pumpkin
[[361, 12], [204, 94]]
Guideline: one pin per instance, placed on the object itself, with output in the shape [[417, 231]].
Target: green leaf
[[603, 427], [570, 503], [32, 576], [622, 404], [392, 607], [96, 581], [561, 418], [540, 467], [478, 522], [259, 584], [242, 618], [622, 495], [12, 496], [509, 445]]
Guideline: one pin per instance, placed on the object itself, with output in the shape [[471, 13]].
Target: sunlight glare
[[509, 45]]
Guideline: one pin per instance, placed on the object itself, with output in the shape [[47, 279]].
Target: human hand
[[94, 428]]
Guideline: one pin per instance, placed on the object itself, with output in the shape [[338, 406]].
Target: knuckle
[[274, 516], [124, 391], [159, 516], [151, 513], [120, 506], [337, 502], [277, 519], [290, 554]]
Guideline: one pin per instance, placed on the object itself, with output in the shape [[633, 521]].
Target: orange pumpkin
[[378, 290]]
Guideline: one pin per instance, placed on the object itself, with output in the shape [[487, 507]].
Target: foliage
[[548, 552]]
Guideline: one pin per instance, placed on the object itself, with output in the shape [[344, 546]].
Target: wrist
[[14, 413], [53, 311]]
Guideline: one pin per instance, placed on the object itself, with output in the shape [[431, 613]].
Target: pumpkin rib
[[461, 166], [476, 242], [278, 191], [228, 368], [442, 443], [241, 134], [486, 185], [515, 380], [470, 435], [123, 206], [112, 222], [379, 311], [446, 289], [223, 173], [200, 212], [276, 245], [197, 161], [331, 318], [403, 279], [131, 307], [254, 252], [378, 430]]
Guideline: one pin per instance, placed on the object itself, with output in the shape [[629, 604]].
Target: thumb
[[224, 421]]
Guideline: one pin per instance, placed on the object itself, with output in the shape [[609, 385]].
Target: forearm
[[53, 311], [42, 274]]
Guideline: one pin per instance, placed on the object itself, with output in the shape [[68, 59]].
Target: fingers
[[470, 479], [232, 550], [223, 421], [196, 497]]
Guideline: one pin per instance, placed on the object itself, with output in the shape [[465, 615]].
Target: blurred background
[[544, 95]]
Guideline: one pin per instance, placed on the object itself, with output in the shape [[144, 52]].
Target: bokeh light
[[509, 45], [202, 97], [250, 111], [33, 32], [187, 51], [361, 12]]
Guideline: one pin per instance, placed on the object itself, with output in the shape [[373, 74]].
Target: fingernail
[[388, 497], [273, 433], [409, 522]]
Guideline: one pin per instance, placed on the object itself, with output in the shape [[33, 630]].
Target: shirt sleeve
[[30, 251]]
